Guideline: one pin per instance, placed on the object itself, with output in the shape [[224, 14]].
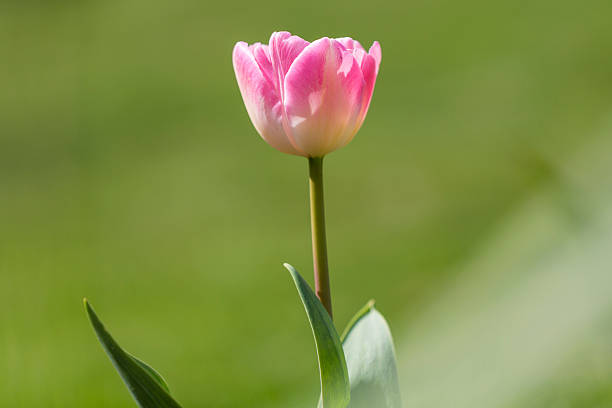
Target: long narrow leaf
[[335, 387], [144, 383], [152, 372], [370, 357]]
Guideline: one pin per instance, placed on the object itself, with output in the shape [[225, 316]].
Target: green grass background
[[130, 174]]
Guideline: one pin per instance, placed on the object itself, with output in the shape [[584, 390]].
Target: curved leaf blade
[[335, 387], [146, 385], [152, 372], [370, 357]]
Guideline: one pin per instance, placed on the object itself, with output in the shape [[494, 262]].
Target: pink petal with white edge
[[284, 48], [369, 66], [349, 43], [323, 97], [260, 98], [261, 53], [376, 53]]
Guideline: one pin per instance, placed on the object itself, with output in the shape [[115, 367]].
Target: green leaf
[[335, 387], [145, 384], [152, 372], [370, 357]]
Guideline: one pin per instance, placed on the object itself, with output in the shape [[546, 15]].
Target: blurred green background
[[475, 204]]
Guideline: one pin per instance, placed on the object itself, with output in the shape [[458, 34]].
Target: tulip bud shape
[[306, 99]]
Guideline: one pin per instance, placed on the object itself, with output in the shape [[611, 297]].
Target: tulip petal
[[260, 96], [376, 53], [350, 44], [323, 97], [284, 48], [261, 52], [359, 55], [369, 66]]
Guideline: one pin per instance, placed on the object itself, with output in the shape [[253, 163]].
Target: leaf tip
[[291, 269], [87, 306], [368, 308], [93, 318]]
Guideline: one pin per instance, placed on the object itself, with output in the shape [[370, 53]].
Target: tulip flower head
[[303, 98]]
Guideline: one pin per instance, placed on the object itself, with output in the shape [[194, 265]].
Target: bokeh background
[[475, 204]]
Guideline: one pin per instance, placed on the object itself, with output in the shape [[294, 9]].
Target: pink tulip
[[303, 98]]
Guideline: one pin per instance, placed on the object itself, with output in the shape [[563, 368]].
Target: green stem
[[319, 240]]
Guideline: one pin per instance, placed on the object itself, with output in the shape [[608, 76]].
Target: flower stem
[[319, 240]]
